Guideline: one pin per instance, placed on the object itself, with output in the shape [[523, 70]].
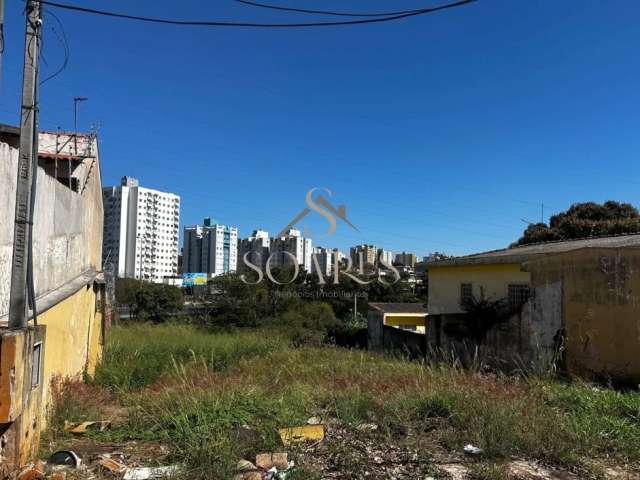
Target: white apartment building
[[295, 244], [386, 256], [256, 248], [140, 231], [211, 249], [324, 260]]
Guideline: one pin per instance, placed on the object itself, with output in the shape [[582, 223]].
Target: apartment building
[[324, 260], [210, 248], [368, 253], [386, 256], [140, 231], [406, 259], [293, 244], [256, 248]]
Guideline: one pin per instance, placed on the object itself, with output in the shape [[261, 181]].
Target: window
[[518, 295], [466, 294], [36, 365]]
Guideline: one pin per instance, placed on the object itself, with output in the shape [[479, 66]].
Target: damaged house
[[64, 337], [575, 304]]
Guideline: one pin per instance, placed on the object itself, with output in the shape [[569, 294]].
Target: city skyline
[[450, 146]]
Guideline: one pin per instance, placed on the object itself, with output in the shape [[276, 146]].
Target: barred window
[[466, 294], [518, 295]]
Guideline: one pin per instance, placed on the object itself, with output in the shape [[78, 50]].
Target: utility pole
[[27, 167]]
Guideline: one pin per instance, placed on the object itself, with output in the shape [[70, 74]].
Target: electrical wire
[[199, 23], [62, 38], [324, 12]]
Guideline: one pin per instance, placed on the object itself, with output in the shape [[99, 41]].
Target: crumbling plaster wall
[[67, 236]]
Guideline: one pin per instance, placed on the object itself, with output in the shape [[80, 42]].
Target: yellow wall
[[74, 337], [400, 320], [444, 284]]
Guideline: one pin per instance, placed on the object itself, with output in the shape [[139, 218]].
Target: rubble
[[270, 460]]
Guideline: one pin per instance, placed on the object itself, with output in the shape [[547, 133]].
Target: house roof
[[526, 252], [399, 308]]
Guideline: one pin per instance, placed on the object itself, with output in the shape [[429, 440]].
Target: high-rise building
[[385, 255], [210, 248], [406, 259], [369, 255], [293, 243], [256, 248], [140, 231], [324, 260]]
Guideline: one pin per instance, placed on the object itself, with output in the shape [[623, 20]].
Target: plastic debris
[[267, 461], [472, 450], [146, 473], [67, 458], [82, 427], [301, 434]]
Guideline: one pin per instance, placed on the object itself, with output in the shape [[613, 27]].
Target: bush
[[310, 323]]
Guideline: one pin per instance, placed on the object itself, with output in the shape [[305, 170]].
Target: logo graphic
[[340, 212], [338, 266]]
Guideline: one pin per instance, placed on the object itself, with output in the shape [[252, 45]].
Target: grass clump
[[139, 354]]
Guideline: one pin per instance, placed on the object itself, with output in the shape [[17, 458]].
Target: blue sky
[[438, 132]]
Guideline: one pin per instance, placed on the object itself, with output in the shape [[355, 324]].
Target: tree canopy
[[582, 220]]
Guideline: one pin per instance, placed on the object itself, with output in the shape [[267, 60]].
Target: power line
[[200, 23], [324, 12]]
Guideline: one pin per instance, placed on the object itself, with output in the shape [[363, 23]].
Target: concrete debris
[[80, 428], [301, 434], [472, 450], [270, 460], [111, 465], [148, 473]]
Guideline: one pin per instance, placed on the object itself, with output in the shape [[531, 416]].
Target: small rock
[[245, 466], [267, 461], [314, 421]]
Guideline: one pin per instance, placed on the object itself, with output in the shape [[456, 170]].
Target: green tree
[[585, 220]]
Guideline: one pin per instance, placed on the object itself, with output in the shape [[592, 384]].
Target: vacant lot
[[205, 400]]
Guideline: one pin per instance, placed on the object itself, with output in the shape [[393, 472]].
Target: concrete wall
[[67, 226], [600, 309], [70, 297], [444, 284]]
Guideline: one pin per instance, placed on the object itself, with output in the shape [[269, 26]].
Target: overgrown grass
[[217, 397], [139, 354]]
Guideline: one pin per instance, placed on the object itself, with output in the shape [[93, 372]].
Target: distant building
[[295, 244], [140, 231], [386, 256], [369, 254], [324, 257], [211, 249], [256, 248], [406, 259]]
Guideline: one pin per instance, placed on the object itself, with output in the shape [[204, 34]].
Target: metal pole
[[27, 166]]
